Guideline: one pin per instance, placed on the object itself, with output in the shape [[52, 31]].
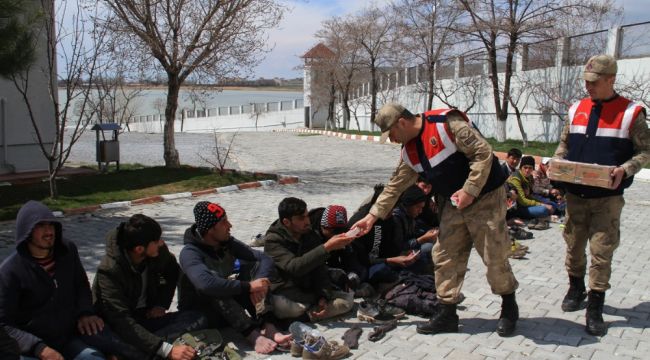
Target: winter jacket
[[524, 188], [118, 285], [8, 346], [404, 235], [36, 309], [302, 275], [206, 270]]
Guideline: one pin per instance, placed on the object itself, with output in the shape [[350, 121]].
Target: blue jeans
[[170, 326], [76, 349], [532, 212], [380, 273]]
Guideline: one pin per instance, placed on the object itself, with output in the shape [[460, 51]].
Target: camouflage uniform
[[597, 220], [482, 224]]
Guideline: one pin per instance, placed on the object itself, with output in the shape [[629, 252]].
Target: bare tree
[[501, 26], [345, 65], [77, 76], [207, 38], [459, 91], [371, 30], [426, 32], [220, 153]]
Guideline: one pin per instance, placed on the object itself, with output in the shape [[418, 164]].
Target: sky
[[295, 35]]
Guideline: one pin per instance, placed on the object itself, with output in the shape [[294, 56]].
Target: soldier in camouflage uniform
[[443, 147], [605, 129]]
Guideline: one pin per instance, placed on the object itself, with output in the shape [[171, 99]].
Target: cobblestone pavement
[[338, 171]]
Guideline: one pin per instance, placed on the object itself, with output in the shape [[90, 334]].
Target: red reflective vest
[[434, 155]]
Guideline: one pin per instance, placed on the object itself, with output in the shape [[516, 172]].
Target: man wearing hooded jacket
[[45, 298]]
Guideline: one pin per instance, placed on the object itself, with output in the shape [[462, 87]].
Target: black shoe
[[509, 315], [595, 324], [575, 296], [444, 320]]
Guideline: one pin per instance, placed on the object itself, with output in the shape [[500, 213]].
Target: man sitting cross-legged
[[209, 284], [302, 285]]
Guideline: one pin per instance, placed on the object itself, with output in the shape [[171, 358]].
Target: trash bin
[[108, 150]]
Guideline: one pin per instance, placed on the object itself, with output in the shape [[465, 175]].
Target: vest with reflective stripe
[[605, 141], [434, 155]]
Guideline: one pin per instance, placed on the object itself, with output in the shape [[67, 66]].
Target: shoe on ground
[[541, 225], [320, 348], [444, 320], [365, 290], [371, 313], [388, 309], [576, 295]]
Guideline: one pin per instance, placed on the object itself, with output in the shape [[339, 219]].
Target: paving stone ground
[[333, 170]]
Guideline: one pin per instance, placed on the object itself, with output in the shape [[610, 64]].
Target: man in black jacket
[[134, 287], [45, 299], [211, 285]]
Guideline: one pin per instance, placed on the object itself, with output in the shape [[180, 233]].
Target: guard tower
[[317, 83]]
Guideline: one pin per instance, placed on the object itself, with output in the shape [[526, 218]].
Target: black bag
[[414, 293]]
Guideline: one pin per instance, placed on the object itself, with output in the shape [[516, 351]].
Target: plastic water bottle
[[236, 268]]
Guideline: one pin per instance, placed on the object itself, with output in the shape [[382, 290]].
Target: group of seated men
[[532, 196], [48, 310]]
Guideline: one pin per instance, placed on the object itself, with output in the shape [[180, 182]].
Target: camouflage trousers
[[483, 225], [596, 221]]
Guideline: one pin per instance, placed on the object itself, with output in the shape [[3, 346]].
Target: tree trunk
[[53, 171], [373, 91], [524, 136], [501, 130], [430, 84], [346, 110], [170, 152]]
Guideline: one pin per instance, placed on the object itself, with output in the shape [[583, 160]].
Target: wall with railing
[[250, 117], [542, 71]]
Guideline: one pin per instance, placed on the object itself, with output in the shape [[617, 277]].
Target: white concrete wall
[[286, 119], [23, 152]]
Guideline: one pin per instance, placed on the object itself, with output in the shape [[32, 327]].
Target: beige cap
[[599, 65], [387, 117]]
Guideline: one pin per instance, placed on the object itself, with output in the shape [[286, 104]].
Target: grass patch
[[130, 183], [534, 147]]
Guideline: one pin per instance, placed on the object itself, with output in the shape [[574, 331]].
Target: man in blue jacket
[[210, 282], [45, 298]]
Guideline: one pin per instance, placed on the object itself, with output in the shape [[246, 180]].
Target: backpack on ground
[[414, 293]]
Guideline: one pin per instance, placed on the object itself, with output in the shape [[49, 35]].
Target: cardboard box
[[581, 173]]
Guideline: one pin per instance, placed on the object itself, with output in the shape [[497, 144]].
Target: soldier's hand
[[90, 325], [337, 242], [617, 176], [50, 354], [182, 352], [463, 199], [260, 285], [365, 224]]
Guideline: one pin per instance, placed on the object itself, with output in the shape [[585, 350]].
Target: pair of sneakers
[[378, 312], [518, 251], [317, 347]]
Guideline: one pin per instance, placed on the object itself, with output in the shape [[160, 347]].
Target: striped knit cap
[[334, 216]]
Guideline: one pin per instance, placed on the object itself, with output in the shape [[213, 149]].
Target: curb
[[281, 180]]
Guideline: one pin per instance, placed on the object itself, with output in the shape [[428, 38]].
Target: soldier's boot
[[444, 320], [509, 315], [576, 294], [595, 324]]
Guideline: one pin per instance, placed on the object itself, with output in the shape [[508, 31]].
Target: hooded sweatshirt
[[37, 309], [206, 270]]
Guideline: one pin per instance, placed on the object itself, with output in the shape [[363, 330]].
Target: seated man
[[405, 234], [509, 165], [302, 285], [209, 285], [527, 206], [544, 189], [134, 286], [45, 299], [330, 221], [377, 250], [428, 218]]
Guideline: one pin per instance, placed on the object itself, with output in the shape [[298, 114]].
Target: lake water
[[152, 101]]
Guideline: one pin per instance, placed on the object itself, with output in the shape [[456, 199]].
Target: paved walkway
[[338, 171]]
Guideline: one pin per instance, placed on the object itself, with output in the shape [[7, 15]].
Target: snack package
[[580, 173]]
